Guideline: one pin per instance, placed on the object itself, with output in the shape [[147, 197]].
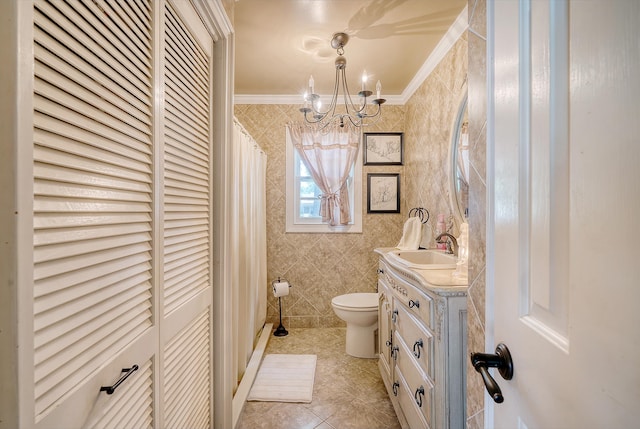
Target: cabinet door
[[385, 333]]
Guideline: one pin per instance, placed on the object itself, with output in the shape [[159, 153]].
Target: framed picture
[[383, 193], [383, 149]]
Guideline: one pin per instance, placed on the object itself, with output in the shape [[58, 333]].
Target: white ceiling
[[280, 43]]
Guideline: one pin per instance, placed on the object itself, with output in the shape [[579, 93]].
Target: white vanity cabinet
[[422, 343], [385, 327]]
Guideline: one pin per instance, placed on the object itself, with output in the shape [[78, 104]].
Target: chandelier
[[356, 113]]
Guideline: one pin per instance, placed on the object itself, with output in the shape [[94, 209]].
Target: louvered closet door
[[93, 199], [186, 285], [122, 231]]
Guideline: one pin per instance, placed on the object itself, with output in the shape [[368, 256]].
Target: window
[[303, 202]]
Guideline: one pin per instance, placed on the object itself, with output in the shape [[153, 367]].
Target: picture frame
[[383, 193], [383, 149]]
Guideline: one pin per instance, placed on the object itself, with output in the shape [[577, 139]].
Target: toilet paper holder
[[277, 287]]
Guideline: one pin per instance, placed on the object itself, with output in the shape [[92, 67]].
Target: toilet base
[[361, 342]]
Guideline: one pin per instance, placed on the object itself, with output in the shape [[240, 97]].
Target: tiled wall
[[430, 116], [321, 266], [477, 88]]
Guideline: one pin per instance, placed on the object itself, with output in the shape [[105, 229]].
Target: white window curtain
[[329, 156]]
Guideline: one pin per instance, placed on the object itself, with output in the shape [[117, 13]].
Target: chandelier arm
[[310, 121], [357, 108], [334, 96], [371, 115], [319, 114]]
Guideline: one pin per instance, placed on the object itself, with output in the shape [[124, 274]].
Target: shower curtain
[[249, 245]]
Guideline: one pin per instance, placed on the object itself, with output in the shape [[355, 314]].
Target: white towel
[[411, 234]]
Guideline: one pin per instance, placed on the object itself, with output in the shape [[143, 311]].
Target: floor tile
[[348, 392]]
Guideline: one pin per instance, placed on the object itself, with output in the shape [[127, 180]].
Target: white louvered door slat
[[92, 204]]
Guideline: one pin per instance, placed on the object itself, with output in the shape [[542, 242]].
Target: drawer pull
[[394, 316], [380, 271], [417, 346], [395, 388], [127, 373], [413, 303], [394, 352], [418, 396]]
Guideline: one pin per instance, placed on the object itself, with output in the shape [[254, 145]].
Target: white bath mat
[[284, 378]]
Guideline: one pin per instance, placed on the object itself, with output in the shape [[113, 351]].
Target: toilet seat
[[356, 301]]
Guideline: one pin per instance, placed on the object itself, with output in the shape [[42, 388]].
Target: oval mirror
[[460, 162]]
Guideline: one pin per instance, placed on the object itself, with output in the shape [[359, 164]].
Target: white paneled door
[[564, 202], [122, 231]]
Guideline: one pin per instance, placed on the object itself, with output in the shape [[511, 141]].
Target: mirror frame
[[453, 158]]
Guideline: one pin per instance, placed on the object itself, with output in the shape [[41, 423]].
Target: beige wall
[[477, 88], [321, 266], [430, 116]]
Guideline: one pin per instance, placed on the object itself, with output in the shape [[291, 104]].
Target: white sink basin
[[429, 259]]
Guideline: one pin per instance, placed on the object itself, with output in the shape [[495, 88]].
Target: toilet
[[360, 311]]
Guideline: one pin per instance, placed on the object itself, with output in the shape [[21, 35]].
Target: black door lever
[[501, 360]]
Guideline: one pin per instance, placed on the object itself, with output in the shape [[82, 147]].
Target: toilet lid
[[357, 300]]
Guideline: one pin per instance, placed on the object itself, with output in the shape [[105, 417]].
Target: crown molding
[[445, 44], [292, 99]]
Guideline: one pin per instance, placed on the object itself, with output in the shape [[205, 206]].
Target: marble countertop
[[441, 281]]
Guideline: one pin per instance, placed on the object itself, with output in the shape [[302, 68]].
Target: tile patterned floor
[[348, 392]]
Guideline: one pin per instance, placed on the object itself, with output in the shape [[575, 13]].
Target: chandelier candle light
[[355, 113]]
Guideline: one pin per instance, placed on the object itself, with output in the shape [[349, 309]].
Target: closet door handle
[[413, 303], [394, 316], [395, 388], [417, 345], [127, 372]]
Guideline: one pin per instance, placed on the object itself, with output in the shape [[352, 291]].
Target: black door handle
[[501, 360]]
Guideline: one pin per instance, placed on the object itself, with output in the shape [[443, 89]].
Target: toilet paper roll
[[280, 289]]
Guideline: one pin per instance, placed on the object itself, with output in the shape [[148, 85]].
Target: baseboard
[[240, 398]]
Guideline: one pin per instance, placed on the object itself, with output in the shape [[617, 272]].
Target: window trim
[[292, 225]]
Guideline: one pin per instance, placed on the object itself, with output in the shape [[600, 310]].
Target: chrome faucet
[[449, 238]]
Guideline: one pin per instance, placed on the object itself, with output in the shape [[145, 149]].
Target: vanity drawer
[[410, 409], [419, 385], [417, 302], [417, 338]]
